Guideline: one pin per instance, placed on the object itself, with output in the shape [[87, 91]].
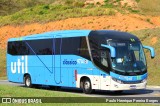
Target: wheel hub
[[27, 82], [86, 85]]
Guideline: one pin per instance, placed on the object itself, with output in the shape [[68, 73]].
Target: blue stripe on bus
[[128, 78]]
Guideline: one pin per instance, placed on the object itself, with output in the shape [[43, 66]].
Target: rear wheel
[[87, 87], [27, 81]]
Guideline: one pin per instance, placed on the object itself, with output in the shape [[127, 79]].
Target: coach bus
[[87, 59]]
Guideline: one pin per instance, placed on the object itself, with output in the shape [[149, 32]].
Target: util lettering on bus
[[21, 65]]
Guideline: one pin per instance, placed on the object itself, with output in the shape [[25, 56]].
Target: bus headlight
[[144, 80], [116, 80]]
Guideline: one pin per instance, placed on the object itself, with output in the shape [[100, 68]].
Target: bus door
[[57, 44], [104, 60]]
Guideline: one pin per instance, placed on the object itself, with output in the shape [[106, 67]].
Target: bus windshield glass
[[129, 57]]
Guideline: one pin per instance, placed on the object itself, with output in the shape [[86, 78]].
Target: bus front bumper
[[120, 86]]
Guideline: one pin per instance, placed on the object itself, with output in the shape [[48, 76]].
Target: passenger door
[[57, 44], [105, 65]]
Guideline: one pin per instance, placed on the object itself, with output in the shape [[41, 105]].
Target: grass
[[149, 7], [45, 13], [80, 104], [14, 91], [146, 37], [2, 64], [3, 78], [12, 6]]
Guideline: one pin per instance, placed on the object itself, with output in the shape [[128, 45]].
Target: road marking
[[157, 94]]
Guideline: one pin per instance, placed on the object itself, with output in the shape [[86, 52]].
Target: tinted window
[[99, 54], [40, 47], [68, 46], [75, 46], [83, 50], [71, 45], [30, 47], [18, 48]]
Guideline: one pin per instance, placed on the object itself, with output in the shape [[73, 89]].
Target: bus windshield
[[129, 57]]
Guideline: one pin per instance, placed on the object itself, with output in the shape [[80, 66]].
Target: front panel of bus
[[127, 70]]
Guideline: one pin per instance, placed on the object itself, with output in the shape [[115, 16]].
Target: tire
[[118, 92], [87, 87], [27, 81]]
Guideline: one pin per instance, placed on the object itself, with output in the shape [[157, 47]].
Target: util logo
[[21, 65]]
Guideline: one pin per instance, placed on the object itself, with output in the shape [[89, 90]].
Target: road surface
[[150, 91]]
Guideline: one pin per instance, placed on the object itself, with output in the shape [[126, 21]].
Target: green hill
[[8, 7], [28, 11], [146, 37], [149, 7]]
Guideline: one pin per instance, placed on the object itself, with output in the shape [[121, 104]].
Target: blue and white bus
[[91, 60]]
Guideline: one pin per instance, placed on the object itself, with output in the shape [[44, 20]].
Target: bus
[[87, 59]]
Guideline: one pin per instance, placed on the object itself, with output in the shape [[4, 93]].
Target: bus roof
[[114, 35], [54, 34], [109, 34]]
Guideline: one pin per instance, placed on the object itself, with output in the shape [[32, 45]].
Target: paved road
[[151, 91]]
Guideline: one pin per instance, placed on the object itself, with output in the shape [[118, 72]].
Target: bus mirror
[[152, 52], [112, 50]]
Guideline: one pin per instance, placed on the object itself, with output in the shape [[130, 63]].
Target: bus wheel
[[27, 81], [87, 87]]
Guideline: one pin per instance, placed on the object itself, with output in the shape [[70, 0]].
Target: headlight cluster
[[116, 80], [121, 82], [144, 80]]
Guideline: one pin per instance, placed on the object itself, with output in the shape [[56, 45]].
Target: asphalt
[[150, 91]]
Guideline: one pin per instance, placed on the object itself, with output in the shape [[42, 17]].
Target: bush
[[78, 4], [137, 1], [46, 7]]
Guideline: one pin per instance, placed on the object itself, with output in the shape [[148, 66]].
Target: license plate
[[133, 86]]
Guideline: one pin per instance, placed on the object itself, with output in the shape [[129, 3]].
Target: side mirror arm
[[152, 51], [112, 50]]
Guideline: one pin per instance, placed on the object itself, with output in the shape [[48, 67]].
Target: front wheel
[[87, 87], [27, 81]]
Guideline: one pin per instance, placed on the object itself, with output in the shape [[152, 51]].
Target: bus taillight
[[75, 74]]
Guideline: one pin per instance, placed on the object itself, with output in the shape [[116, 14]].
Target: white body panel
[[106, 83]]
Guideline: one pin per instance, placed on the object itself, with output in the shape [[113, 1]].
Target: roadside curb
[[153, 87]]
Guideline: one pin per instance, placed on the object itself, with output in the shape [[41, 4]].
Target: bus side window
[[18, 48], [70, 45], [11, 48], [100, 56], [41, 46], [83, 50]]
